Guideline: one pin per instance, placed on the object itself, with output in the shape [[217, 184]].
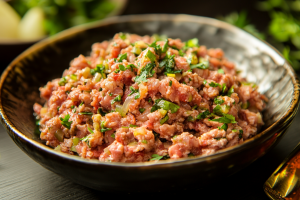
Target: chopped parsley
[[103, 128], [194, 107], [132, 125], [151, 56], [157, 48], [166, 105], [122, 57], [131, 67], [133, 90], [241, 134], [122, 67], [230, 91], [170, 83], [72, 106], [99, 69], [85, 113], [137, 96], [192, 43], [62, 81], [101, 112], [117, 98], [221, 71], [203, 115], [165, 47], [80, 104], [146, 72], [65, 121], [144, 141], [204, 82], [223, 88], [142, 110], [224, 127], [218, 101], [90, 130], [59, 108], [110, 94], [122, 36], [225, 119], [213, 84], [202, 65], [73, 77], [113, 135], [156, 157], [190, 119], [164, 119]]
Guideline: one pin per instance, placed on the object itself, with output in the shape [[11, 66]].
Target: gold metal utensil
[[284, 183]]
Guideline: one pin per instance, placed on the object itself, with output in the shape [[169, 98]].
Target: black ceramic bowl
[[47, 59]]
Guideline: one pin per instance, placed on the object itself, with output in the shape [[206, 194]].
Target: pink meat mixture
[[140, 98]]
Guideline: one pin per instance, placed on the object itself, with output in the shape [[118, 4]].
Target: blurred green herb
[[62, 14]]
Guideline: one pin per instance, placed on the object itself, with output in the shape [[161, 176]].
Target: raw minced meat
[[141, 98]]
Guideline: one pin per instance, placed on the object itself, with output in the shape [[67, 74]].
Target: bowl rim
[[283, 121]]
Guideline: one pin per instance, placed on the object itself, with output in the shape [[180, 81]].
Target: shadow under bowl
[[46, 60]]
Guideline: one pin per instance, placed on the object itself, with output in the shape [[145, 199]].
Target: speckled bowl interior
[[46, 60]]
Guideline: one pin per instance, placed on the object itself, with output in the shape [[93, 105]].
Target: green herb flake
[[191, 155], [142, 110], [113, 135], [99, 69], [151, 56], [122, 57], [165, 47], [122, 36], [110, 94], [131, 67], [73, 77], [213, 84], [137, 96], [230, 91], [146, 72], [202, 65], [62, 81], [223, 88], [80, 104], [194, 107], [156, 157], [132, 126], [203, 115], [72, 106], [103, 128], [224, 127], [218, 101], [117, 98], [170, 83], [190, 119], [163, 120], [90, 130], [85, 113], [101, 112], [166, 105], [221, 71], [133, 90], [192, 43], [204, 82], [241, 134], [122, 67], [58, 108], [225, 119], [144, 141], [65, 121]]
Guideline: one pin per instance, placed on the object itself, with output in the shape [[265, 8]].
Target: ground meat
[[135, 99]]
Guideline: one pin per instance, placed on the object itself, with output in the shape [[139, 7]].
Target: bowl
[[11, 48], [259, 62]]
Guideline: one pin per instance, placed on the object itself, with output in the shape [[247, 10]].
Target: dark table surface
[[22, 178]]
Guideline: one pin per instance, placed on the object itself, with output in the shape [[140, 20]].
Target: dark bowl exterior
[[46, 60]]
